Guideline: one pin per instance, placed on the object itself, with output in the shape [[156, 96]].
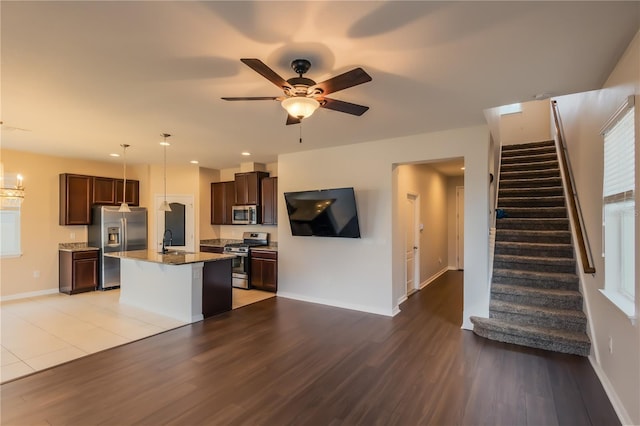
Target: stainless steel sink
[[176, 252]]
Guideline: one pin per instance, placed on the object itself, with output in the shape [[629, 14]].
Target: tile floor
[[40, 332]]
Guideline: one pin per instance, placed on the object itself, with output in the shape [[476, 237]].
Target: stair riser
[[559, 238], [563, 347], [564, 252], [535, 267], [539, 320], [534, 225], [532, 202], [545, 302], [530, 192], [522, 158], [530, 174], [522, 167], [536, 283], [530, 183]]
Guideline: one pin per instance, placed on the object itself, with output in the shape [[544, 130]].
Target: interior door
[[410, 243], [460, 227]]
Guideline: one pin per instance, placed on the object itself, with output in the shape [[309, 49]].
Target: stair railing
[[574, 203]]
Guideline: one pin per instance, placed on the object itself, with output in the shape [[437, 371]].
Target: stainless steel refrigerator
[[111, 231]]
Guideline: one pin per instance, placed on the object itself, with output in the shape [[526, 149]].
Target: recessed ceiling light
[[194, 161], [246, 154], [114, 155], [462, 168]]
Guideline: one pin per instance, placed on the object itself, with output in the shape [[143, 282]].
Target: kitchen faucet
[[164, 248]]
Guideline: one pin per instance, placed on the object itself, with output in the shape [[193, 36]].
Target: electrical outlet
[[36, 274], [610, 344]]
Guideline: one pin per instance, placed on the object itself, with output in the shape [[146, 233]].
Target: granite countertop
[[218, 242], [270, 247], [76, 247], [173, 257]]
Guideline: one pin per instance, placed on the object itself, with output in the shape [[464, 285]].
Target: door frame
[[459, 227], [416, 240]]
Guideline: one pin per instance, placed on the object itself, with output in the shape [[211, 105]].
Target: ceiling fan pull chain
[[301, 131]]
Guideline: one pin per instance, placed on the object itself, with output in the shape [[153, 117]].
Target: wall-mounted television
[[323, 213]]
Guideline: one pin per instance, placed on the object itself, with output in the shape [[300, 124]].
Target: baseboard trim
[[336, 304], [28, 294], [623, 416], [436, 276]]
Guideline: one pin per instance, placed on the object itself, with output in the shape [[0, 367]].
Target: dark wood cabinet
[[211, 249], [270, 201], [76, 192], [247, 187], [104, 190], [78, 271], [79, 192], [223, 197], [264, 270], [132, 193]]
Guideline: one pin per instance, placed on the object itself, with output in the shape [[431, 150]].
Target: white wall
[[368, 274], [531, 125], [583, 116]]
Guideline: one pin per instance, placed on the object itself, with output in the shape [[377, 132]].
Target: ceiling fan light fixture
[[300, 106]]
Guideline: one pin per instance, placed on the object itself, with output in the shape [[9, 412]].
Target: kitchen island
[[182, 285]]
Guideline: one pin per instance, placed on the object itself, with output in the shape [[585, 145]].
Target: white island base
[[171, 290]]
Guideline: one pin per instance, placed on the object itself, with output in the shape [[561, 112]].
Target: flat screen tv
[[323, 213]]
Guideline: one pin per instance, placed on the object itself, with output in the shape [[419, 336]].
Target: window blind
[[619, 160]]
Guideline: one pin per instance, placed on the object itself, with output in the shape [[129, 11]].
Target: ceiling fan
[[302, 96]]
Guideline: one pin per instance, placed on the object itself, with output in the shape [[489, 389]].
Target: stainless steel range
[[242, 261]]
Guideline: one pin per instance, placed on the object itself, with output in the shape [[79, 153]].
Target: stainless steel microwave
[[245, 215]]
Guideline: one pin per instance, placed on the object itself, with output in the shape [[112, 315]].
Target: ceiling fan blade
[[343, 81], [343, 106], [261, 68], [253, 98], [292, 120]]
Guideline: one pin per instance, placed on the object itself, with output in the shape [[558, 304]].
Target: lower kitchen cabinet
[[78, 271], [264, 270]]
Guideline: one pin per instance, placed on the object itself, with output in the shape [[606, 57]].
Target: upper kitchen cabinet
[[223, 197], [132, 193], [104, 190], [76, 193], [79, 192], [248, 187], [270, 201]]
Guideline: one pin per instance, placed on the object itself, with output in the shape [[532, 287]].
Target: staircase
[[535, 299]]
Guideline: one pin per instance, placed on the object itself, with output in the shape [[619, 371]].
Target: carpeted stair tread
[[529, 145], [522, 157], [557, 212], [534, 249], [533, 223], [553, 298], [532, 275], [536, 337], [567, 315], [551, 191], [529, 174], [532, 201], [533, 236], [530, 183], [535, 165], [535, 263]]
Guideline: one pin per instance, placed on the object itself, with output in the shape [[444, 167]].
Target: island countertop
[[173, 257]]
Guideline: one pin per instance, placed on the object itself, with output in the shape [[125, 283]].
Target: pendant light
[[165, 207], [124, 207]]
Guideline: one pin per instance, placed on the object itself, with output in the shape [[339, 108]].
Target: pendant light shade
[[124, 207], [300, 106], [165, 207]]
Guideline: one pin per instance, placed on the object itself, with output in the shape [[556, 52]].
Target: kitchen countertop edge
[[170, 258]]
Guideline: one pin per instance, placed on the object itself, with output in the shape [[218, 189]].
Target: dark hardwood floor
[[281, 362]]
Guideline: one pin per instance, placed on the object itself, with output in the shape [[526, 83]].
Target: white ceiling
[[84, 77]]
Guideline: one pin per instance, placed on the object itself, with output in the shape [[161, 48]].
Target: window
[[618, 199], [510, 109]]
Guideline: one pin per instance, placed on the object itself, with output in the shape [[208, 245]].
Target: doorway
[[176, 227], [412, 255]]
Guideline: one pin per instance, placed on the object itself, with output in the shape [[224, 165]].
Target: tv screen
[[323, 213]]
